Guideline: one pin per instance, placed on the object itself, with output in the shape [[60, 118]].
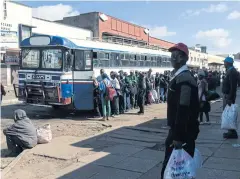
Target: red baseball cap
[[180, 46]]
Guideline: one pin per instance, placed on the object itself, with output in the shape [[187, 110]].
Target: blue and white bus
[[59, 72]]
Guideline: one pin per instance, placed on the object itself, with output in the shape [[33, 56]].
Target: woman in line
[[202, 90]]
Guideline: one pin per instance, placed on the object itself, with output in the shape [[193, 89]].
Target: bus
[[58, 72]]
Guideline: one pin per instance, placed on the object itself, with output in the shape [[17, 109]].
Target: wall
[[197, 59], [86, 21], [53, 28]]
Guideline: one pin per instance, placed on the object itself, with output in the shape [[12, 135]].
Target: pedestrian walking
[[202, 91], [183, 106], [229, 90]]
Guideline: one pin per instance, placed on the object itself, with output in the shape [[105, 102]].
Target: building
[[15, 28], [115, 30]]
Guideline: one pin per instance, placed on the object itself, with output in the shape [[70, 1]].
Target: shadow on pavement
[[127, 152]]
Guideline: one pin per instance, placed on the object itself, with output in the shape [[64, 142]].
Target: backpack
[[110, 92]]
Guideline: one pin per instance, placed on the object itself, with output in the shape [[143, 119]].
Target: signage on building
[[12, 57], [8, 33]]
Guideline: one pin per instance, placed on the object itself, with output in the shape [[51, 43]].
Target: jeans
[[162, 94], [132, 100], [106, 107], [189, 148], [158, 93], [116, 105], [127, 101]]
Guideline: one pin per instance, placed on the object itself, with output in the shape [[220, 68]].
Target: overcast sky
[[214, 24]]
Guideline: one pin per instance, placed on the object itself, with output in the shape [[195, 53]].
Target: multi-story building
[[115, 30]]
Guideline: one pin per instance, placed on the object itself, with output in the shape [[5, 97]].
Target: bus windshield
[[42, 58], [52, 58], [30, 58]]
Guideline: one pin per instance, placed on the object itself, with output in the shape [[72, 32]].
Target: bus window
[[148, 61], [154, 61], [52, 58], [30, 58], [104, 59], [125, 61], [159, 60], [132, 60], [96, 61], [83, 60]]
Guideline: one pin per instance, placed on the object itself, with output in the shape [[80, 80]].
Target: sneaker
[[103, 119], [113, 116], [140, 113], [208, 123], [201, 123]]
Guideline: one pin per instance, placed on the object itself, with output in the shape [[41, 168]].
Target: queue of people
[[128, 91]]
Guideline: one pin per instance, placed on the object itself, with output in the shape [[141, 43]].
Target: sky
[[213, 24]]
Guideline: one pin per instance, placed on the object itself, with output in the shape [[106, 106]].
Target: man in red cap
[[183, 106]]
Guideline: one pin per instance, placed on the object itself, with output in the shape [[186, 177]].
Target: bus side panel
[[67, 90], [83, 95]]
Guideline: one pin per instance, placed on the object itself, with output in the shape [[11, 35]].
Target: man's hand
[[177, 144], [229, 102]]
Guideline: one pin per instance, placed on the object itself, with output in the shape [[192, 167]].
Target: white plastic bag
[[198, 158], [155, 96], [44, 134], [229, 117], [180, 166]]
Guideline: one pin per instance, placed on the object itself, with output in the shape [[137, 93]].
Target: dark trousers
[[116, 105], [141, 100], [132, 100], [14, 144], [96, 107], [121, 104], [189, 148]]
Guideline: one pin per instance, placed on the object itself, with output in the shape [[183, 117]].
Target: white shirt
[[115, 84], [180, 70]]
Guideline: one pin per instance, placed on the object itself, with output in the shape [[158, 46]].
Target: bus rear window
[[30, 58]]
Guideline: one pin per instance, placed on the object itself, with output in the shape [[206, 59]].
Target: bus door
[[82, 80]]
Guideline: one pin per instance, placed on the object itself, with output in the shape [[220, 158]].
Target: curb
[[10, 101], [14, 162]]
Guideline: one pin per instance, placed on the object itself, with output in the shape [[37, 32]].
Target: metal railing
[[126, 41]]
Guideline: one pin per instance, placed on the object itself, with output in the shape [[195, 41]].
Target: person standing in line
[[163, 86], [229, 90], [136, 96], [202, 90], [141, 92], [127, 89], [106, 107], [133, 83], [157, 86], [183, 106], [116, 86]]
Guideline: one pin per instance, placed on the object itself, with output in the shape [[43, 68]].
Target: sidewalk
[[10, 97], [137, 152]]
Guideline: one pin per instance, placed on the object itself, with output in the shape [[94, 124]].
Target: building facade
[[112, 29]]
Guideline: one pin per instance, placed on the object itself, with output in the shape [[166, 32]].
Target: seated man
[[22, 134]]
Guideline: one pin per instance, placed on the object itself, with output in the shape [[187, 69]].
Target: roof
[[55, 40]]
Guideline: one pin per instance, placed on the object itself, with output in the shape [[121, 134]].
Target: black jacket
[[142, 83], [229, 85], [183, 107]]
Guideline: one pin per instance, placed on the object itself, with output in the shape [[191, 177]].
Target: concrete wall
[[53, 28], [86, 21]]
